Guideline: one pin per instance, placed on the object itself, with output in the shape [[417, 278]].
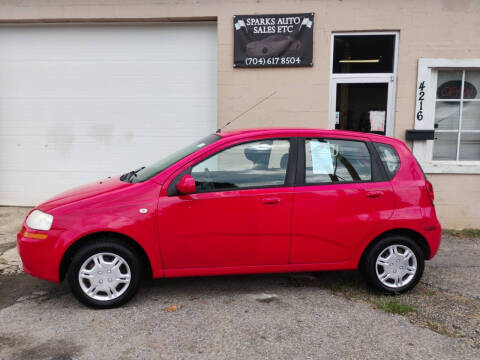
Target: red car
[[253, 201]]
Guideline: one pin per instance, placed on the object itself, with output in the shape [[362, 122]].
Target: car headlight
[[38, 220]]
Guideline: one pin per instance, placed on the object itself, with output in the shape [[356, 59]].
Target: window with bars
[[457, 115]]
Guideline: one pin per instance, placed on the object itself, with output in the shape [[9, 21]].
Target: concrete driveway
[[301, 316]]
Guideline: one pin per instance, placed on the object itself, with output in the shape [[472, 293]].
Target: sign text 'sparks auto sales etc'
[[273, 40]]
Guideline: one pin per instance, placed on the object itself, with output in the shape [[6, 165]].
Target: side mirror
[[186, 185]]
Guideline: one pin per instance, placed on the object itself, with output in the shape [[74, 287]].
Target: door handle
[[374, 194], [272, 200]]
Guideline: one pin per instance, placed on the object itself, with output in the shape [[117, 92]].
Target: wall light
[[367, 61]]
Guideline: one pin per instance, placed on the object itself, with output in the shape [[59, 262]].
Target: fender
[[131, 213], [432, 237]]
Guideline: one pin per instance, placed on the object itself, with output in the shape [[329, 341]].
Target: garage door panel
[[105, 42], [42, 70], [79, 103], [33, 181], [109, 155], [38, 178], [105, 87], [73, 85], [39, 118]]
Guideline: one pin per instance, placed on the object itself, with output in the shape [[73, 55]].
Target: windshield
[[148, 172]]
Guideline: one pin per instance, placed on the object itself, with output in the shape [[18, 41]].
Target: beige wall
[[457, 200], [428, 28]]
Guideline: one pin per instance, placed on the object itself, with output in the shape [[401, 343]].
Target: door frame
[[389, 128], [362, 78], [186, 164]]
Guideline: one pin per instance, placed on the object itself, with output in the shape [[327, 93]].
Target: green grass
[[429, 293], [465, 233], [395, 307]]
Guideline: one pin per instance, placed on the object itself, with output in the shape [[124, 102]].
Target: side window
[[253, 164], [389, 158], [336, 161]]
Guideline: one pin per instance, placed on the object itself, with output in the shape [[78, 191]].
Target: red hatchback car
[[253, 201]]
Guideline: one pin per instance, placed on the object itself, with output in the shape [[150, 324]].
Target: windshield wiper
[[129, 176]]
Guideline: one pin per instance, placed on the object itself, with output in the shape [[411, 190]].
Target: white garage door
[[82, 102]]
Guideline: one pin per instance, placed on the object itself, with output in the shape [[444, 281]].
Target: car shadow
[[23, 287], [233, 285]]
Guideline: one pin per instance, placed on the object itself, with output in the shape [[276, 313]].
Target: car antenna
[[246, 111]]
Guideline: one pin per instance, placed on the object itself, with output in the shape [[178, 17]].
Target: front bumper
[[40, 258]]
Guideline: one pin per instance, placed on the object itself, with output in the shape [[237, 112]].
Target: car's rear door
[[241, 212], [342, 195]]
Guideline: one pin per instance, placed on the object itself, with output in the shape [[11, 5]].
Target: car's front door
[[240, 214], [340, 200]]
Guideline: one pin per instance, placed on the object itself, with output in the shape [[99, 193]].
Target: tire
[[400, 264], [105, 273]]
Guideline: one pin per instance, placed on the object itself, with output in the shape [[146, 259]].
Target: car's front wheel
[[394, 264], [105, 274]]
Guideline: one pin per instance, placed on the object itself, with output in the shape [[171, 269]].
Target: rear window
[[389, 157]]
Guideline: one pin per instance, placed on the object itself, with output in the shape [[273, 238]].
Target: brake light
[[429, 187]]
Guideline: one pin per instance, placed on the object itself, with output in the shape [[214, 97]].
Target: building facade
[[93, 88]]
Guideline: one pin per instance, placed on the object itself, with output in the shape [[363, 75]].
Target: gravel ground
[[330, 315], [456, 268], [11, 219]]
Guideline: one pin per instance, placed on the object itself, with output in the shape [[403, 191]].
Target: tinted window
[[389, 158], [336, 161], [363, 53], [253, 164]]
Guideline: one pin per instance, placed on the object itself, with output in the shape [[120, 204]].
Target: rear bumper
[[433, 235], [38, 256]]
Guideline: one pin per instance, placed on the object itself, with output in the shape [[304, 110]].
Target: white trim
[[388, 78], [460, 115], [365, 32], [355, 80], [423, 150], [455, 100], [452, 167]]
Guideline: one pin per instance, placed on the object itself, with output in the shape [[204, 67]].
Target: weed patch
[[395, 307]]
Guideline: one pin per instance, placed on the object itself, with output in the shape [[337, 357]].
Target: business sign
[[273, 40], [452, 90]]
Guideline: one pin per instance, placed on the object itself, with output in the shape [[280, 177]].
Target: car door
[[240, 214], [341, 198]]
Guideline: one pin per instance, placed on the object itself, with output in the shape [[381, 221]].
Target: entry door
[[338, 203], [364, 105], [363, 75], [240, 214]]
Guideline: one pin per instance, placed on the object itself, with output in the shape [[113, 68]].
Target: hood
[[83, 192]]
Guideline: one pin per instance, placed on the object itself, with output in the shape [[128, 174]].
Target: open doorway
[[361, 107]]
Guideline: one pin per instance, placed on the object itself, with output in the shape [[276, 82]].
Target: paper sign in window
[[377, 120], [322, 162]]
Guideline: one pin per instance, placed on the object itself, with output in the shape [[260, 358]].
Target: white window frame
[[388, 78], [423, 149]]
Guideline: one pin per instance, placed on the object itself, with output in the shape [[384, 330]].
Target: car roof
[[304, 132]]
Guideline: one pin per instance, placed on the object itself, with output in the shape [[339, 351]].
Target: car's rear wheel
[[105, 274], [394, 264]]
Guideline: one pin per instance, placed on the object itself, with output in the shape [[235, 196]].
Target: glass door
[[362, 82], [361, 107]]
